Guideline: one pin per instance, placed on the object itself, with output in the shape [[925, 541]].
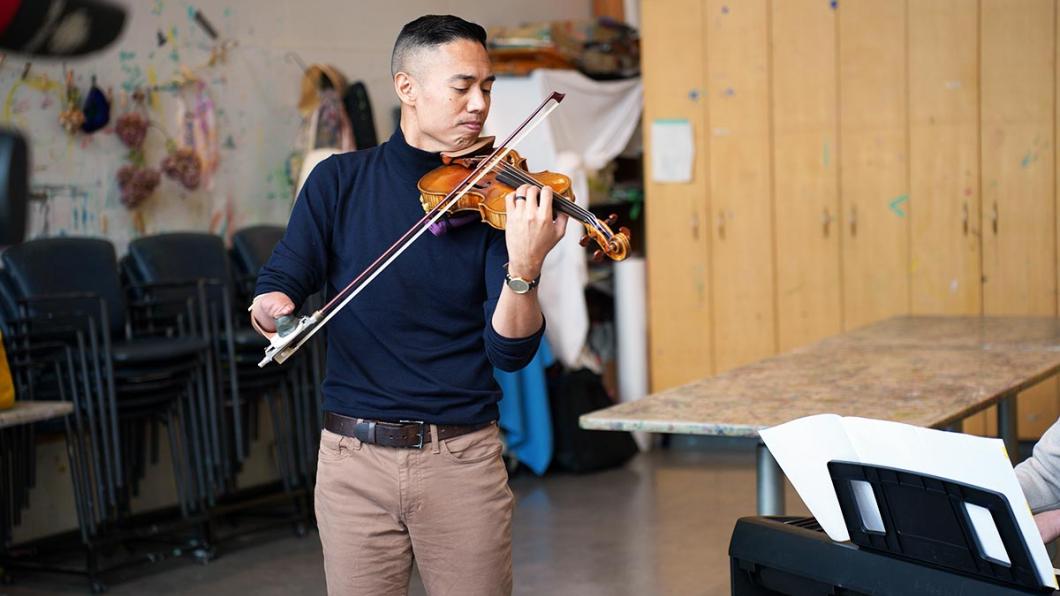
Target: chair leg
[[247, 421], [191, 448], [7, 486], [110, 395], [233, 379], [176, 455], [196, 420], [76, 441], [154, 441], [290, 400], [200, 421], [281, 442], [83, 516], [220, 411], [99, 481], [296, 399], [98, 422], [212, 423], [71, 456]]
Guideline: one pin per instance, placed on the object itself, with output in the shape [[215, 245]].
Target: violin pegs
[[584, 241], [624, 231], [598, 256], [611, 219]]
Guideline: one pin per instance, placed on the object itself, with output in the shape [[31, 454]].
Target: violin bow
[[290, 336]]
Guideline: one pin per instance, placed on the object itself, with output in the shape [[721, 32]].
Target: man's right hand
[[268, 307]]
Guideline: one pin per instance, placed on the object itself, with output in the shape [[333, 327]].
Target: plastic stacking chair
[[133, 377], [202, 259]]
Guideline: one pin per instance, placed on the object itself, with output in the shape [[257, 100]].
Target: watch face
[[519, 286]]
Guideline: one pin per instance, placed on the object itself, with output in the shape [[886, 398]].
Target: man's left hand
[[530, 231]]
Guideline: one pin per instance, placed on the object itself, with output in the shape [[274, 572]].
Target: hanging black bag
[[578, 450]]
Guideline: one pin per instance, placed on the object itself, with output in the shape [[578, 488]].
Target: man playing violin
[[410, 457]]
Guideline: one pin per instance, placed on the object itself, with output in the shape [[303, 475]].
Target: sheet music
[[804, 447]]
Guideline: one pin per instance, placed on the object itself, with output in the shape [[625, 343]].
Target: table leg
[[1006, 425], [770, 483]]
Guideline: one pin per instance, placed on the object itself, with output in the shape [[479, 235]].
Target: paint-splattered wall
[[254, 93]]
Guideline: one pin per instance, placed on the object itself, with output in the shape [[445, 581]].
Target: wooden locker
[[677, 236], [945, 274], [874, 173], [1017, 58], [805, 172], [742, 269]]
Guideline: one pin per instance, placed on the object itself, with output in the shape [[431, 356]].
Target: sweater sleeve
[[299, 263], [1039, 475], [505, 353]]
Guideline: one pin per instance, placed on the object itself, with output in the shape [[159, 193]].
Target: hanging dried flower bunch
[[137, 182], [183, 165], [131, 128], [71, 118]]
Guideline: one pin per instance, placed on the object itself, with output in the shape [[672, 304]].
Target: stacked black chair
[[127, 370], [45, 368], [202, 258], [251, 249], [171, 267]]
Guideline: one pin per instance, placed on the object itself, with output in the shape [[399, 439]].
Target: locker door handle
[[994, 218], [721, 225], [964, 217], [826, 220], [854, 220]]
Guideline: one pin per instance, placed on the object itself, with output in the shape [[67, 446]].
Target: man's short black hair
[[429, 31]]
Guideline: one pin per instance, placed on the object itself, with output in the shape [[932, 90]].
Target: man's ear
[[405, 86]]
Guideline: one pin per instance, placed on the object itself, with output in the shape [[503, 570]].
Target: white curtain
[[590, 127]]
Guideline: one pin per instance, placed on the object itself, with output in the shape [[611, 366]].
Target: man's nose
[[477, 102]]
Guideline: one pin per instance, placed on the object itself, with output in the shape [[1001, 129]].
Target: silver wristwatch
[[518, 284]]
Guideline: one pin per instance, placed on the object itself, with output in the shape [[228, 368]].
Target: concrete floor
[[660, 525]]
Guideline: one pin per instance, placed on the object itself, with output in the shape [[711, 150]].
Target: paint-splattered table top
[[927, 371], [26, 412]]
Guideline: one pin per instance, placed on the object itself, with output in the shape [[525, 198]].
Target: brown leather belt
[[411, 434]]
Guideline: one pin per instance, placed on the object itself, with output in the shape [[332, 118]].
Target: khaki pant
[[447, 504]]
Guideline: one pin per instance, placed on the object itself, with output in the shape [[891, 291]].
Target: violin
[[486, 197], [466, 182]]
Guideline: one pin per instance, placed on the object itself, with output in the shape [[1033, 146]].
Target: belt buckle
[[419, 433]]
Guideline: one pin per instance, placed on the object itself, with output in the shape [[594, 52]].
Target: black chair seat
[[153, 349]]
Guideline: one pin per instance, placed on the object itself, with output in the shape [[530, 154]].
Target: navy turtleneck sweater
[[418, 343]]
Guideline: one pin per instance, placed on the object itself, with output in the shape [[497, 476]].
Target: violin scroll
[[611, 244]]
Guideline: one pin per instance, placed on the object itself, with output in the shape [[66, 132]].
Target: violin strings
[[527, 179]]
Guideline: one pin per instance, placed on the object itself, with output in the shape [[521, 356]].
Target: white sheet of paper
[[672, 150], [804, 447]]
